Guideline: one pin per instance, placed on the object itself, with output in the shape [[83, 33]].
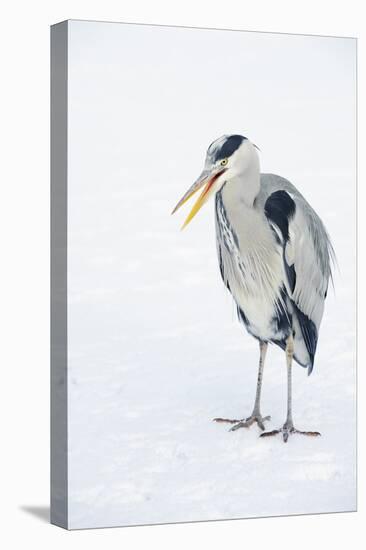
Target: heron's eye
[[223, 162]]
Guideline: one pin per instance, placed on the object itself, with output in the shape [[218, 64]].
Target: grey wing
[[307, 255]]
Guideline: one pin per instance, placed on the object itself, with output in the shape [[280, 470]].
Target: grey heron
[[275, 259]]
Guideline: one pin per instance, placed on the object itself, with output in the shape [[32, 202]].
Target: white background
[[154, 347], [25, 274]]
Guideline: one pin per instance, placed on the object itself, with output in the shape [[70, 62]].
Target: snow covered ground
[[155, 349]]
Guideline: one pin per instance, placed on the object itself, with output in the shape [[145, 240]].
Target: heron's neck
[[243, 189]]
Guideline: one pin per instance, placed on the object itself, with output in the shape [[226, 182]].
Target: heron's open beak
[[206, 180]]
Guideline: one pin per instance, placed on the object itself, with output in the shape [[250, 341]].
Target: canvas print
[[203, 313]]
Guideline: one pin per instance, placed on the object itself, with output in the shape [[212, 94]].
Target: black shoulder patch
[[279, 209], [229, 147]]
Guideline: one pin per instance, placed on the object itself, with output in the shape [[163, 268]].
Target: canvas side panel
[[59, 448]]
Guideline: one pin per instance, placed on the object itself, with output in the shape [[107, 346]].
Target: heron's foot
[[287, 430], [245, 422]]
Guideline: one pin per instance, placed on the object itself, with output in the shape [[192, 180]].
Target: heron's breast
[[252, 268]]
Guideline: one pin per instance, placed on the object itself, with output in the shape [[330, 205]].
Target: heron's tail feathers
[[305, 339]]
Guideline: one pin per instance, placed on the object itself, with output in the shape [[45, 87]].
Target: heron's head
[[227, 158]]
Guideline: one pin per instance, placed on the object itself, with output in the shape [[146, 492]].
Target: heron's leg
[[288, 427], [256, 414], [289, 424], [262, 355]]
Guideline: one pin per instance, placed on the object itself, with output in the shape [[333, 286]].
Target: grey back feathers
[[319, 238]]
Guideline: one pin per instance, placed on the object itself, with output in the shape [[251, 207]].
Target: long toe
[[269, 434], [311, 434], [246, 422], [227, 420], [241, 424]]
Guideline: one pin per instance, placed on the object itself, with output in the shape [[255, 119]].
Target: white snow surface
[[154, 347]]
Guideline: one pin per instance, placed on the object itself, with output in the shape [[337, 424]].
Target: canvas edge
[[58, 409]]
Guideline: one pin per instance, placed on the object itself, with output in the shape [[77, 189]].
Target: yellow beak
[[206, 180]]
